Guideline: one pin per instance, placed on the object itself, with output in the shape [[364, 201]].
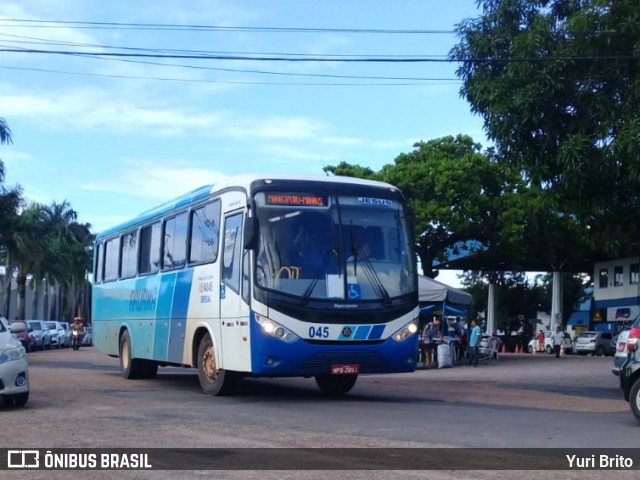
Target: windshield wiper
[[369, 270]]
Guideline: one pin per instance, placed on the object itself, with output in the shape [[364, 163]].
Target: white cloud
[[155, 179], [286, 153], [10, 156], [96, 109]]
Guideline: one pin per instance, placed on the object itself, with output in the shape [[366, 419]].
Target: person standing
[[541, 345], [474, 342], [558, 337]]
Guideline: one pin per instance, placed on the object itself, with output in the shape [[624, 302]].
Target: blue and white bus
[[311, 276]]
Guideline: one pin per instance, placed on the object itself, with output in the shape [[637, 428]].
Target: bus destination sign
[[296, 200]]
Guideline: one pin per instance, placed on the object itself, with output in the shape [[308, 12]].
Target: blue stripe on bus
[[376, 332], [347, 332], [362, 332], [179, 315], [163, 312]]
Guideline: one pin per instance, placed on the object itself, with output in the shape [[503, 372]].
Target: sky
[[117, 135]]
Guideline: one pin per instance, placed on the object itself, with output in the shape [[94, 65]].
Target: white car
[[14, 369], [58, 334], [567, 343]]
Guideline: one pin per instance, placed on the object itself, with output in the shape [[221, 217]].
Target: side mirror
[[18, 327], [250, 233]]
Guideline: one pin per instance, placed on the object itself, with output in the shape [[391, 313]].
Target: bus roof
[[243, 181]]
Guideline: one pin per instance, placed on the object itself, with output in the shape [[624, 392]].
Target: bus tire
[[336, 384], [134, 368], [213, 380]]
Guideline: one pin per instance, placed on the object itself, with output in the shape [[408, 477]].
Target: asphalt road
[[79, 400]]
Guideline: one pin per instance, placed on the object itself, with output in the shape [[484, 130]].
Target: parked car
[[567, 343], [620, 355], [14, 369], [40, 333], [67, 334], [87, 338], [23, 334], [594, 343], [58, 334], [630, 370]]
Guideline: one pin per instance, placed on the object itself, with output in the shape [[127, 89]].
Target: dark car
[[630, 370], [23, 333]]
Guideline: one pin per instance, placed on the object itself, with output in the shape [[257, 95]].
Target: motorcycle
[[76, 336]]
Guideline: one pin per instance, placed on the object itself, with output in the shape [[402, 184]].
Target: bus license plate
[[345, 369]]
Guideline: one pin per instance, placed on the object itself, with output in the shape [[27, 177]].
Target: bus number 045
[[318, 332]]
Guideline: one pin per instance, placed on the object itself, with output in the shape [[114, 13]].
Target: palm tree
[[68, 257], [25, 244], [5, 133], [10, 200], [5, 137]]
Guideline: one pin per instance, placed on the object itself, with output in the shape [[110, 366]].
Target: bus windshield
[[319, 246]]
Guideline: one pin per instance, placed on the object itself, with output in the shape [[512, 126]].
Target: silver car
[[621, 351], [594, 343], [67, 333], [41, 334]]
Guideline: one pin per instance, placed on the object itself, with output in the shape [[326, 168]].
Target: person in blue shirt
[[474, 342]]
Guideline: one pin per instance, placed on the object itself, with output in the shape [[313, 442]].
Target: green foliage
[[45, 241], [557, 83], [457, 193]]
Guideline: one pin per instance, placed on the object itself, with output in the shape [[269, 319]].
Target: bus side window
[[205, 224], [231, 257], [174, 250], [149, 257], [129, 255], [99, 273], [111, 259]]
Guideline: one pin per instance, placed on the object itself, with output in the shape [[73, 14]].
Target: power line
[[433, 81], [261, 58], [24, 40], [325, 58], [31, 23]]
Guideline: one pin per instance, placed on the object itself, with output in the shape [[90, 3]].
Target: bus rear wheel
[[336, 384], [134, 368], [213, 380]]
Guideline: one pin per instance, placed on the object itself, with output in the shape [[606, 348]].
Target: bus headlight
[[405, 332], [274, 329]]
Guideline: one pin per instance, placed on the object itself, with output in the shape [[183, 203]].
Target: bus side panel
[[179, 310], [126, 303], [203, 307], [163, 316]]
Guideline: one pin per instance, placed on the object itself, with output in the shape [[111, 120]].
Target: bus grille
[[370, 362]]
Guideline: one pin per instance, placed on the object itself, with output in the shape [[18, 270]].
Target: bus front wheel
[[336, 384], [134, 368], [213, 380]]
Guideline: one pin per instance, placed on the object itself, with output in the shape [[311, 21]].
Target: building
[[616, 293]]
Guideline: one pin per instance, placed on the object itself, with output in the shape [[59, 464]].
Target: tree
[[558, 85], [518, 298], [10, 201], [25, 244], [458, 193], [68, 257], [9, 198]]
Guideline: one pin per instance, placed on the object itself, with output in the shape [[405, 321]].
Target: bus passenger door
[[234, 313]]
